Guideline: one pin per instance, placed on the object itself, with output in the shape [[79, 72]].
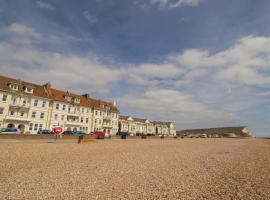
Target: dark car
[[45, 132], [98, 135], [68, 132]]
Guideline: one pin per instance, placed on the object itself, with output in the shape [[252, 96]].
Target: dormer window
[[29, 90], [77, 100], [14, 86], [68, 98]]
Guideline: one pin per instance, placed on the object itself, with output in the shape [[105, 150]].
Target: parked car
[[68, 132], [108, 135], [10, 131], [98, 134], [203, 135], [79, 133], [45, 132], [124, 135]]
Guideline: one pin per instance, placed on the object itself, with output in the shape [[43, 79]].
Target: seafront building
[[137, 126], [31, 107]]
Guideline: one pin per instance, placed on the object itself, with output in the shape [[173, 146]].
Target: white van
[[10, 131]]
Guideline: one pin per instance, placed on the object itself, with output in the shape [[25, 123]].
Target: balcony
[[19, 105], [73, 123], [17, 118], [72, 113], [107, 125], [107, 118]]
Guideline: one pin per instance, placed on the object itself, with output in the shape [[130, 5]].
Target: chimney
[[87, 96], [47, 88], [48, 85], [114, 103]]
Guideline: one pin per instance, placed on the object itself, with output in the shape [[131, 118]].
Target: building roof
[[59, 95], [45, 91], [39, 90], [122, 117]]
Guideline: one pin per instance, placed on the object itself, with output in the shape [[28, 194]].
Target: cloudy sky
[[198, 63]]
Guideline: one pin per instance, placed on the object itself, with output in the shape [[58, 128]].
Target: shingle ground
[[136, 169]]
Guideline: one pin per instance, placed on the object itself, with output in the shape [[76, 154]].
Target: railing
[[18, 104], [107, 117], [17, 118], [73, 123]]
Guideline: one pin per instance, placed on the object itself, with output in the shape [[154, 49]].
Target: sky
[[197, 63]]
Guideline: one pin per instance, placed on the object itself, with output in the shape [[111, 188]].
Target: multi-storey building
[[31, 107], [137, 126], [105, 116], [23, 105]]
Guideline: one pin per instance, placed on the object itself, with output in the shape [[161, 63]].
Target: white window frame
[[29, 90], [14, 87]]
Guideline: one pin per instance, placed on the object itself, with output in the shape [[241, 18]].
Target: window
[[55, 117], [36, 127], [87, 111], [76, 100], [96, 112], [57, 106], [43, 104], [1, 111], [14, 100], [4, 98], [22, 114], [82, 110], [29, 90], [64, 107], [69, 108], [35, 102], [42, 115], [95, 121], [68, 98], [11, 113], [30, 126], [40, 126], [34, 114], [86, 120], [13, 86], [24, 102], [81, 119], [100, 121], [63, 117]]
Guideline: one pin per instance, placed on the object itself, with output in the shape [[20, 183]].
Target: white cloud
[[64, 71], [172, 105], [89, 18], [170, 4], [22, 30], [46, 5]]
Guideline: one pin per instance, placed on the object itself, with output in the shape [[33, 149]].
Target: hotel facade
[[32, 107]]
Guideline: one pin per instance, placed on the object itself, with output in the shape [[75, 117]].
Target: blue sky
[[198, 63]]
